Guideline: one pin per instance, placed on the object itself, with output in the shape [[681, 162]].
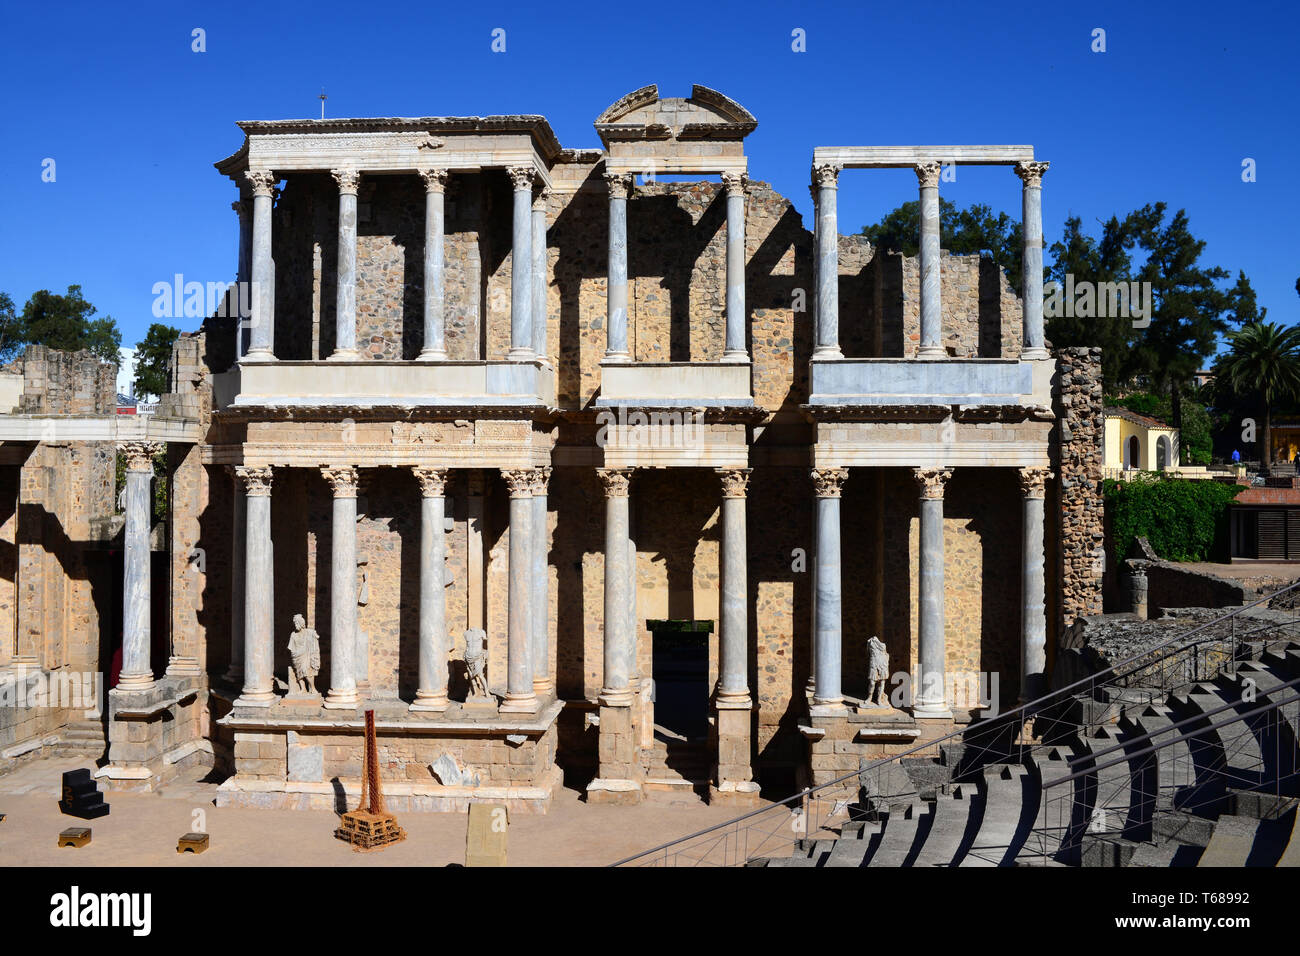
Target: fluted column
[[521, 266], [520, 696], [928, 692], [1033, 586], [137, 669], [543, 681], [733, 685], [431, 694], [343, 589], [616, 349], [931, 295], [539, 273], [259, 649], [1031, 174], [619, 643], [826, 181], [828, 695], [238, 526], [435, 322], [345, 297], [735, 184], [262, 322]]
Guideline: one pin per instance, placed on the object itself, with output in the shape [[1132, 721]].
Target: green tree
[[961, 231], [153, 356], [64, 322], [1245, 309], [11, 331], [1264, 360]]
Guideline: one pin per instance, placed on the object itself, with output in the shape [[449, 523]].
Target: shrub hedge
[[1183, 520]]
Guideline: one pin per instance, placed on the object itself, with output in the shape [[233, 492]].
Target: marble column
[[828, 695], [734, 350], [928, 690], [137, 669], [733, 641], [1031, 174], [435, 322], [520, 696], [244, 210], [431, 694], [931, 296], [521, 267], [343, 589], [262, 336], [827, 328], [539, 599], [619, 643], [816, 264], [616, 349], [345, 293], [259, 649], [239, 525], [538, 273], [1033, 585]]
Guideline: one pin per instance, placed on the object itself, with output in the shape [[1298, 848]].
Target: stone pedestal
[[733, 777], [619, 774]]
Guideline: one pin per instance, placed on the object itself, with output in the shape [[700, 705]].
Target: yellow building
[[1138, 442]]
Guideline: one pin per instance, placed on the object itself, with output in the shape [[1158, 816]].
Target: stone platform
[[296, 755]]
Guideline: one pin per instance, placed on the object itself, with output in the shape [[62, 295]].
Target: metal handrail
[[1028, 708]]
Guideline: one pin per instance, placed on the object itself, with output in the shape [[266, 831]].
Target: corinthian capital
[[522, 177], [139, 454], [348, 179], [931, 481], [1031, 173], [829, 482], [343, 480], [615, 480], [1033, 482], [734, 481], [262, 181], [826, 175], [435, 180], [257, 480], [433, 481], [927, 174], [519, 481], [619, 185], [541, 481], [736, 183]]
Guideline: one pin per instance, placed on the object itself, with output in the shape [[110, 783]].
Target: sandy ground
[[1265, 576], [142, 829]]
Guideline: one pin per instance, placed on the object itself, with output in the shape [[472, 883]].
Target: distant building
[[1138, 442]]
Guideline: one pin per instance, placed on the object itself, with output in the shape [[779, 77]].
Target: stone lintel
[[449, 723], [885, 157]]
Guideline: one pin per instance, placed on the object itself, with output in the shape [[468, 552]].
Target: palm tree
[[1264, 359]]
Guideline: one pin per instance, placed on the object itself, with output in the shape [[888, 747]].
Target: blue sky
[[134, 119]]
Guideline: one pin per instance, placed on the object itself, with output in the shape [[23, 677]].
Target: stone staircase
[[82, 738], [1222, 788], [677, 767]]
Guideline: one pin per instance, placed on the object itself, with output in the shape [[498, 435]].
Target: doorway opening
[[681, 677]]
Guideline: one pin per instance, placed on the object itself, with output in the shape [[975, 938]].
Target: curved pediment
[[644, 115]]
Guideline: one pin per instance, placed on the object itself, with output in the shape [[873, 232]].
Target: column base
[[726, 701], [257, 355], [134, 683], [1033, 354], [736, 357], [430, 703], [616, 698], [341, 700], [932, 351], [827, 352], [260, 699], [828, 708], [735, 793], [183, 667], [544, 688], [616, 356], [520, 704], [344, 355], [520, 355], [432, 355], [938, 710], [620, 793]]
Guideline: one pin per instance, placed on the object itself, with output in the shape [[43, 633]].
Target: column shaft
[[239, 528], [543, 682], [928, 693], [734, 350], [259, 651], [827, 326], [1033, 588], [619, 644], [521, 267], [616, 349], [1032, 206], [345, 298], [733, 637], [520, 696], [431, 695], [435, 337], [931, 302], [828, 694], [262, 336], [137, 669], [538, 273], [343, 590]]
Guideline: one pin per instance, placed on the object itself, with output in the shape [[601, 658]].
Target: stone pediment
[[644, 115]]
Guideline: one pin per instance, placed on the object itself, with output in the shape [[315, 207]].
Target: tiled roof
[[1146, 421]]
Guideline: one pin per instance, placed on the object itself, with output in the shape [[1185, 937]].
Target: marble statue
[[476, 663], [304, 657], [877, 669]]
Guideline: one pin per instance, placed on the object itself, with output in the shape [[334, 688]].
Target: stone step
[[1281, 741], [1107, 793], [899, 834], [1232, 842], [1239, 759], [1290, 855], [1175, 771], [948, 824], [1055, 814], [1009, 809]]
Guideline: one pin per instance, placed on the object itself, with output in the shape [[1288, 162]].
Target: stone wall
[[66, 383], [1077, 454]]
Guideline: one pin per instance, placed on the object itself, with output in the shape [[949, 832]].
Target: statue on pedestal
[[476, 664], [304, 657], [877, 670]]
